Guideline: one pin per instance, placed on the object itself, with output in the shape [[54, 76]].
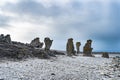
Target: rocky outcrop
[[78, 47], [5, 39], [70, 47], [15, 51], [18, 50], [36, 43], [48, 43], [87, 50]]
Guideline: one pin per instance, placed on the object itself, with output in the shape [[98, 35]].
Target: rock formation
[[19, 51], [105, 55], [5, 39], [78, 46], [2, 38], [87, 50], [48, 43], [36, 43], [15, 51], [70, 47]]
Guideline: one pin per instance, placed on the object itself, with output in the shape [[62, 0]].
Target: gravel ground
[[60, 68]]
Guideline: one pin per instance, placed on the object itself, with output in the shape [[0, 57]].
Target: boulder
[[105, 55], [36, 43]]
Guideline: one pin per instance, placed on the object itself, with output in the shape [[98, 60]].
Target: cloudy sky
[[98, 20]]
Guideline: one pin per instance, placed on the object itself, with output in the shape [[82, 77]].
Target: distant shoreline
[[101, 52], [92, 52]]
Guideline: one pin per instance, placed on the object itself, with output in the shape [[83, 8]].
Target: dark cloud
[[109, 35], [95, 10], [114, 15], [108, 38], [34, 9]]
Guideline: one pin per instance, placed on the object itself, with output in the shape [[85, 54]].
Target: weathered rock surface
[[87, 50], [36, 43], [18, 50], [78, 46], [105, 55], [48, 43], [5, 39], [70, 47], [14, 51]]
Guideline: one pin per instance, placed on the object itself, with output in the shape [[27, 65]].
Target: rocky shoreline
[[17, 50]]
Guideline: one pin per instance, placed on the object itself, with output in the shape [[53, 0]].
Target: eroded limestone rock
[[78, 46], [105, 55], [87, 50], [5, 39], [20, 51], [70, 47], [36, 43], [48, 43]]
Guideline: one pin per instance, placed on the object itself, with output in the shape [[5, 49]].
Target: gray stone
[[20, 51], [87, 50], [48, 43], [1, 37], [5, 39], [8, 39], [78, 46], [36, 43], [70, 47], [105, 55]]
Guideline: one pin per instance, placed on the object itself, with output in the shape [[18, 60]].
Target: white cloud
[[8, 13], [3, 2], [26, 28], [49, 3]]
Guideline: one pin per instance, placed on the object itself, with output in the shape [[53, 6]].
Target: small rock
[[107, 75], [118, 75], [51, 61], [105, 55], [52, 73], [82, 66]]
